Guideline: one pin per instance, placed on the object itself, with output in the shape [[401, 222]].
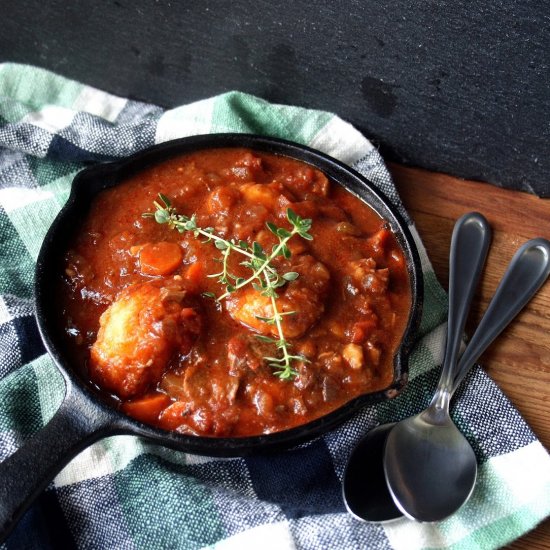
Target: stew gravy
[[137, 320]]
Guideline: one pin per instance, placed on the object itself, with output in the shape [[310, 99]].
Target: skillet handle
[[27, 472]]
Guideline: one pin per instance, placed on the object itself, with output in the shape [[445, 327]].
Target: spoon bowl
[[364, 488], [430, 438]]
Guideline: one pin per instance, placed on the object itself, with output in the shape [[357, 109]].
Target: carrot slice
[[147, 408], [194, 274], [172, 417], [380, 238], [160, 258], [362, 329]]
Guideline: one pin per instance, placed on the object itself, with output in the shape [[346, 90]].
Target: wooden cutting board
[[519, 360]]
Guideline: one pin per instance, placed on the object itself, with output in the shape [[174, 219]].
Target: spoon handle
[[526, 273], [469, 245]]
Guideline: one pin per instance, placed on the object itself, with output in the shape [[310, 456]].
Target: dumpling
[[305, 297], [140, 334]]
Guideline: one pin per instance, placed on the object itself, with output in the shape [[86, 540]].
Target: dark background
[[459, 87]]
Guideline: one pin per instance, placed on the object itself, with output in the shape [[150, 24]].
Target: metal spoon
[[430, 468], [364, 487]]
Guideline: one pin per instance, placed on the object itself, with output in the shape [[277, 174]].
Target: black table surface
[[458, 87]]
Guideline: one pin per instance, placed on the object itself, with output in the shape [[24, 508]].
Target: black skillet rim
[[106, 175]]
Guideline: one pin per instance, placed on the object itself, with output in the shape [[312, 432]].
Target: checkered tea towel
[[124, 493]]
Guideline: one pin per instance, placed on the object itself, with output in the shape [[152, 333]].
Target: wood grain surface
[[519, 360]]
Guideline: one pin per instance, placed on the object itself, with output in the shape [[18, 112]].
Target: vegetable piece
[[353, 355], [367, 277], [380, 239], [160, 258], [174, 415], [374, 353], [257, 193], [362, 329], [147, 408], [194, 275], [222, 198]]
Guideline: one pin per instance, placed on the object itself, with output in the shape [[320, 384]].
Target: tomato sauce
[[139, 318]]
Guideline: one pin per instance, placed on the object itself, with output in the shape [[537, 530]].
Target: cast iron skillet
[[85, 417]]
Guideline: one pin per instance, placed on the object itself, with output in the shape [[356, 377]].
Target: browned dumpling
[[304, 297], [140, 334]]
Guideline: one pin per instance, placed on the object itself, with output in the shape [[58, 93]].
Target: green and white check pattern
[[125, 493]]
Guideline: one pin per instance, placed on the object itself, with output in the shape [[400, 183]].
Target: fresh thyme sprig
[[282, 365], [264, 278]]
